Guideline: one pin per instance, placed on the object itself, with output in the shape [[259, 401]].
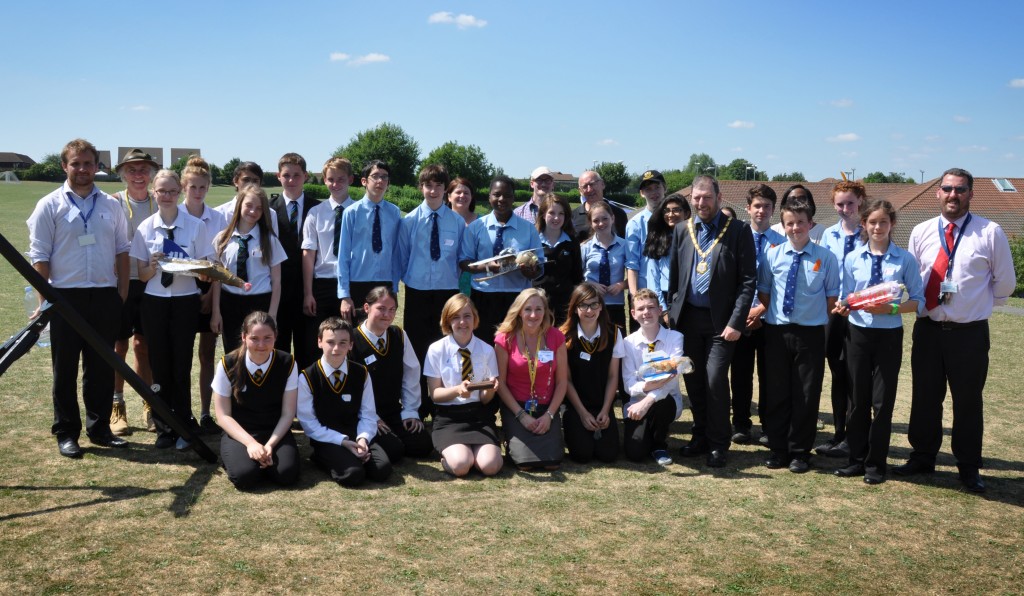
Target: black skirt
[[463, 424]]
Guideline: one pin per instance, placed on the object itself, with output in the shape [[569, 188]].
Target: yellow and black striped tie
[[258, 375], [467, 365], [380, 344], [650, 346], [587, 346], [336, 380]]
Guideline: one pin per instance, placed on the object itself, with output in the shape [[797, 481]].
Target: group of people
[[313, 337]]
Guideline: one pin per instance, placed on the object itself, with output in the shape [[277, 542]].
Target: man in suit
[[712, 281], [292, 206]]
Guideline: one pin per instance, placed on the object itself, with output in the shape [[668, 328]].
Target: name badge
[[72, 214], [370, 360], [890, 271], [545, 356], [949, 287], [656, 355], [346, 397], [585, 356], [86, 239], [449, 242]]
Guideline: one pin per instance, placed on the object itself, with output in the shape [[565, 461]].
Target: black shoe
[[841, 449], [741, 437], [827, 445], [799, 466], [972, 481], [873, 477], [913, 466], [695, 447], [716, 459], [69, 448], [109, 441], [850, 471], [763, 440], [164, 441], [207, 425], [775, 461]]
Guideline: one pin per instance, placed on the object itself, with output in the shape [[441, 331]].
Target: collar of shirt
[[491, 221], [425, 210], [370, 334], [563, 238], [714, 223], [74, 196], [174, 224], [329, 370], [252, 366], [579, 332], [959, 223], [348, 202], [297, 201], [791, 250], [334, 204], [615, 241], [455, 345]]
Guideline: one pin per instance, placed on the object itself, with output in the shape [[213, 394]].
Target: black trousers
[[492, 306], [358, 291], [796, 366], [835, 354], [649, 433], [291, 323], [585, 445], [170, 325], [741, 379], [957, 356], [101, 308], [245, 473], [400, 443], [423, 326], [325, 292], [233, 310], [873, 359], [708, 385], [348, 470]]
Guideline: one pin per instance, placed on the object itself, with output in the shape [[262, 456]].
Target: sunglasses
[[949, 188]]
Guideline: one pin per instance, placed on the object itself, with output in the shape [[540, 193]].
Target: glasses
[[379, 177], [673, 211], [167, 193], [589, 306], [949, 188]]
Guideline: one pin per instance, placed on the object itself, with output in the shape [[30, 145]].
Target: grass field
[[145, 521]]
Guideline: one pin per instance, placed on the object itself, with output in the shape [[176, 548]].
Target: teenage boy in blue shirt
[[799, 281], [369, 236], [428, 245]]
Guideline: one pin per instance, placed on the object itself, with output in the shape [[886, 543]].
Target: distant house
[[998, 199], [15, 161]]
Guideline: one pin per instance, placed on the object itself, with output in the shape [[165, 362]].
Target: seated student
[[254, 393], [874, 347], [652, 405], [594, 352], [604, 261], [387, 353], [533, 376], [249, 248], [464, 432], [799, 282], [337, 412]]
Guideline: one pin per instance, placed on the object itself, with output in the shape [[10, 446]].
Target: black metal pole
[[60, 307]]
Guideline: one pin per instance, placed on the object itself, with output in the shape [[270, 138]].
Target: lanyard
[[128, 200], [85, 216], [531, 365], [956, 245]]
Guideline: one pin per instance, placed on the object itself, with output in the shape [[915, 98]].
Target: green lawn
[[143, 521]]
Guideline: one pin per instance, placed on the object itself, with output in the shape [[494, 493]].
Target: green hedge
[[1017, 250]]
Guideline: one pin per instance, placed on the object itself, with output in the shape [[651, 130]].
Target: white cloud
[[607, 143], [972, 149], [1017, 83], [139, 108], [1009, 156], [842, 103], [369, 59], [339, 57], [1018, 138], [462, 21], [740, 124], [961, 119], [846, 137]]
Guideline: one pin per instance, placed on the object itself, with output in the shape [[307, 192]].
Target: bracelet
[[520, 414], [895, 309], [550, 415]]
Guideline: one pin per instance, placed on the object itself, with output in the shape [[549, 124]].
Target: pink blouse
[[518, 374]]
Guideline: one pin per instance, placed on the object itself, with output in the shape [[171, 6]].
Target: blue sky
[[809, 86]]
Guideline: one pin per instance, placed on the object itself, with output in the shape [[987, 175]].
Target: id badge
[[585, 356], [545, 356], [531, 405], [86, 240], [370, 359], [949, 287]]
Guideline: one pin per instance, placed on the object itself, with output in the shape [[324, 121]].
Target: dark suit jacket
[[582, 225], [292, 243], [733, 275]]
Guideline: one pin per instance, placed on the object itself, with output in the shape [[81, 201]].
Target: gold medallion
[[702, 267]]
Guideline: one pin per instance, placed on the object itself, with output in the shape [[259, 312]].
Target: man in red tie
[[967, 268]]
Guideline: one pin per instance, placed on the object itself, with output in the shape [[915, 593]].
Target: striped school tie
[[166, 279], [380, 344], [336, 380], [258, 375], [467, 364], [650, 346]]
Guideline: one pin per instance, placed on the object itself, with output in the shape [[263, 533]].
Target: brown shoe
[[119, 420], [147, 418]]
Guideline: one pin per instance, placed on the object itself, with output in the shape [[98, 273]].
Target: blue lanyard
[[956, 245], [85, 216]]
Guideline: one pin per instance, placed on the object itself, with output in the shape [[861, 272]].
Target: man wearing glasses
[[591, 190], [542, 182], [967, 268]]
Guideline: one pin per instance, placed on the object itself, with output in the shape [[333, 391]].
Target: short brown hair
[[291, 159], [337, 163], [452, 308], [78, 146]]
